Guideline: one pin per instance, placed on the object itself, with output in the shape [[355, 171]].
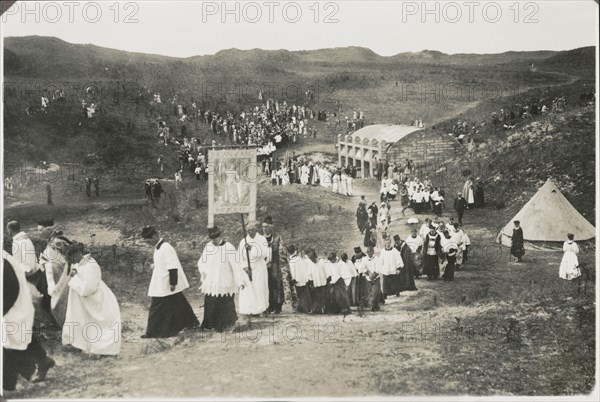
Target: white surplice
[[93, 320], [254, 298]]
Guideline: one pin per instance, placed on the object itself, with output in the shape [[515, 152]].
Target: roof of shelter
[[389, 133]]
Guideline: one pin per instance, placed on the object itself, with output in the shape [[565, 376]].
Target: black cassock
[[517, 248]]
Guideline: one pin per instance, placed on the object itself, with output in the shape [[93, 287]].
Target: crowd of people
[[269, 123], [304, 171], [373, 222]]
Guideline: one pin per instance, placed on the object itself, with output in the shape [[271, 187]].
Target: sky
[[188, 28]]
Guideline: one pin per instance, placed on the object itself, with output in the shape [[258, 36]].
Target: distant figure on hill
[[178, 179], [88, 186], [96, 183], [48, 192], [9, 184], [161, 163], [517, 248]]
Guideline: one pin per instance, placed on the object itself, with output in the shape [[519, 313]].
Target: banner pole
[[247, 251]]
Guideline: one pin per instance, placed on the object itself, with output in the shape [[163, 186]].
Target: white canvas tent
[[547, 219]]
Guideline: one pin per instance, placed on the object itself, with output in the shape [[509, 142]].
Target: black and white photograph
[[299, 200]]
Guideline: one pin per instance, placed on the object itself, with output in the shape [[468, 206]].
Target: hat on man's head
[[45, 222], [357, 250], [148, 232], [214, 232], [252, 224], [59, 242], [268, 220]]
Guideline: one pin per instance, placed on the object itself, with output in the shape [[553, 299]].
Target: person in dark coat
[[361, 289], [48, 192], [408, 273], [170, 311], [362, 216], [517, 247], [278, 281], [479, 195], [460, 205], [370, 239], [88, 186]]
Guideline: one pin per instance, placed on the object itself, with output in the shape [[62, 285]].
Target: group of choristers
[[332, 285]]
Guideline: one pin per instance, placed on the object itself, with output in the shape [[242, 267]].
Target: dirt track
[[421, 343]]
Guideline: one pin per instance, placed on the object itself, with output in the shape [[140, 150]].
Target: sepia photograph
[[299, 200]]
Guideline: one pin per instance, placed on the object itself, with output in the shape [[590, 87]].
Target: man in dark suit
[[517, 247], [460, 205]]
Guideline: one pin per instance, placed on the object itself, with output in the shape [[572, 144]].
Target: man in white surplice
[[254, 299]]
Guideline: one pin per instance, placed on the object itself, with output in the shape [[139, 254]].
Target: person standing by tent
[[569, 266], [460, 205], [516, 247]]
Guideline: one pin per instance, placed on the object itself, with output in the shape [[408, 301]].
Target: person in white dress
[[350, 187], [285, 177], [569, 266], [335, 179], [93, 319], [343, 183], [468, 192], [304, 174], [254, 298]]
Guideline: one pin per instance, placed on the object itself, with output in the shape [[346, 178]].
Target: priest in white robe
[[93, 319], [254, 298]]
